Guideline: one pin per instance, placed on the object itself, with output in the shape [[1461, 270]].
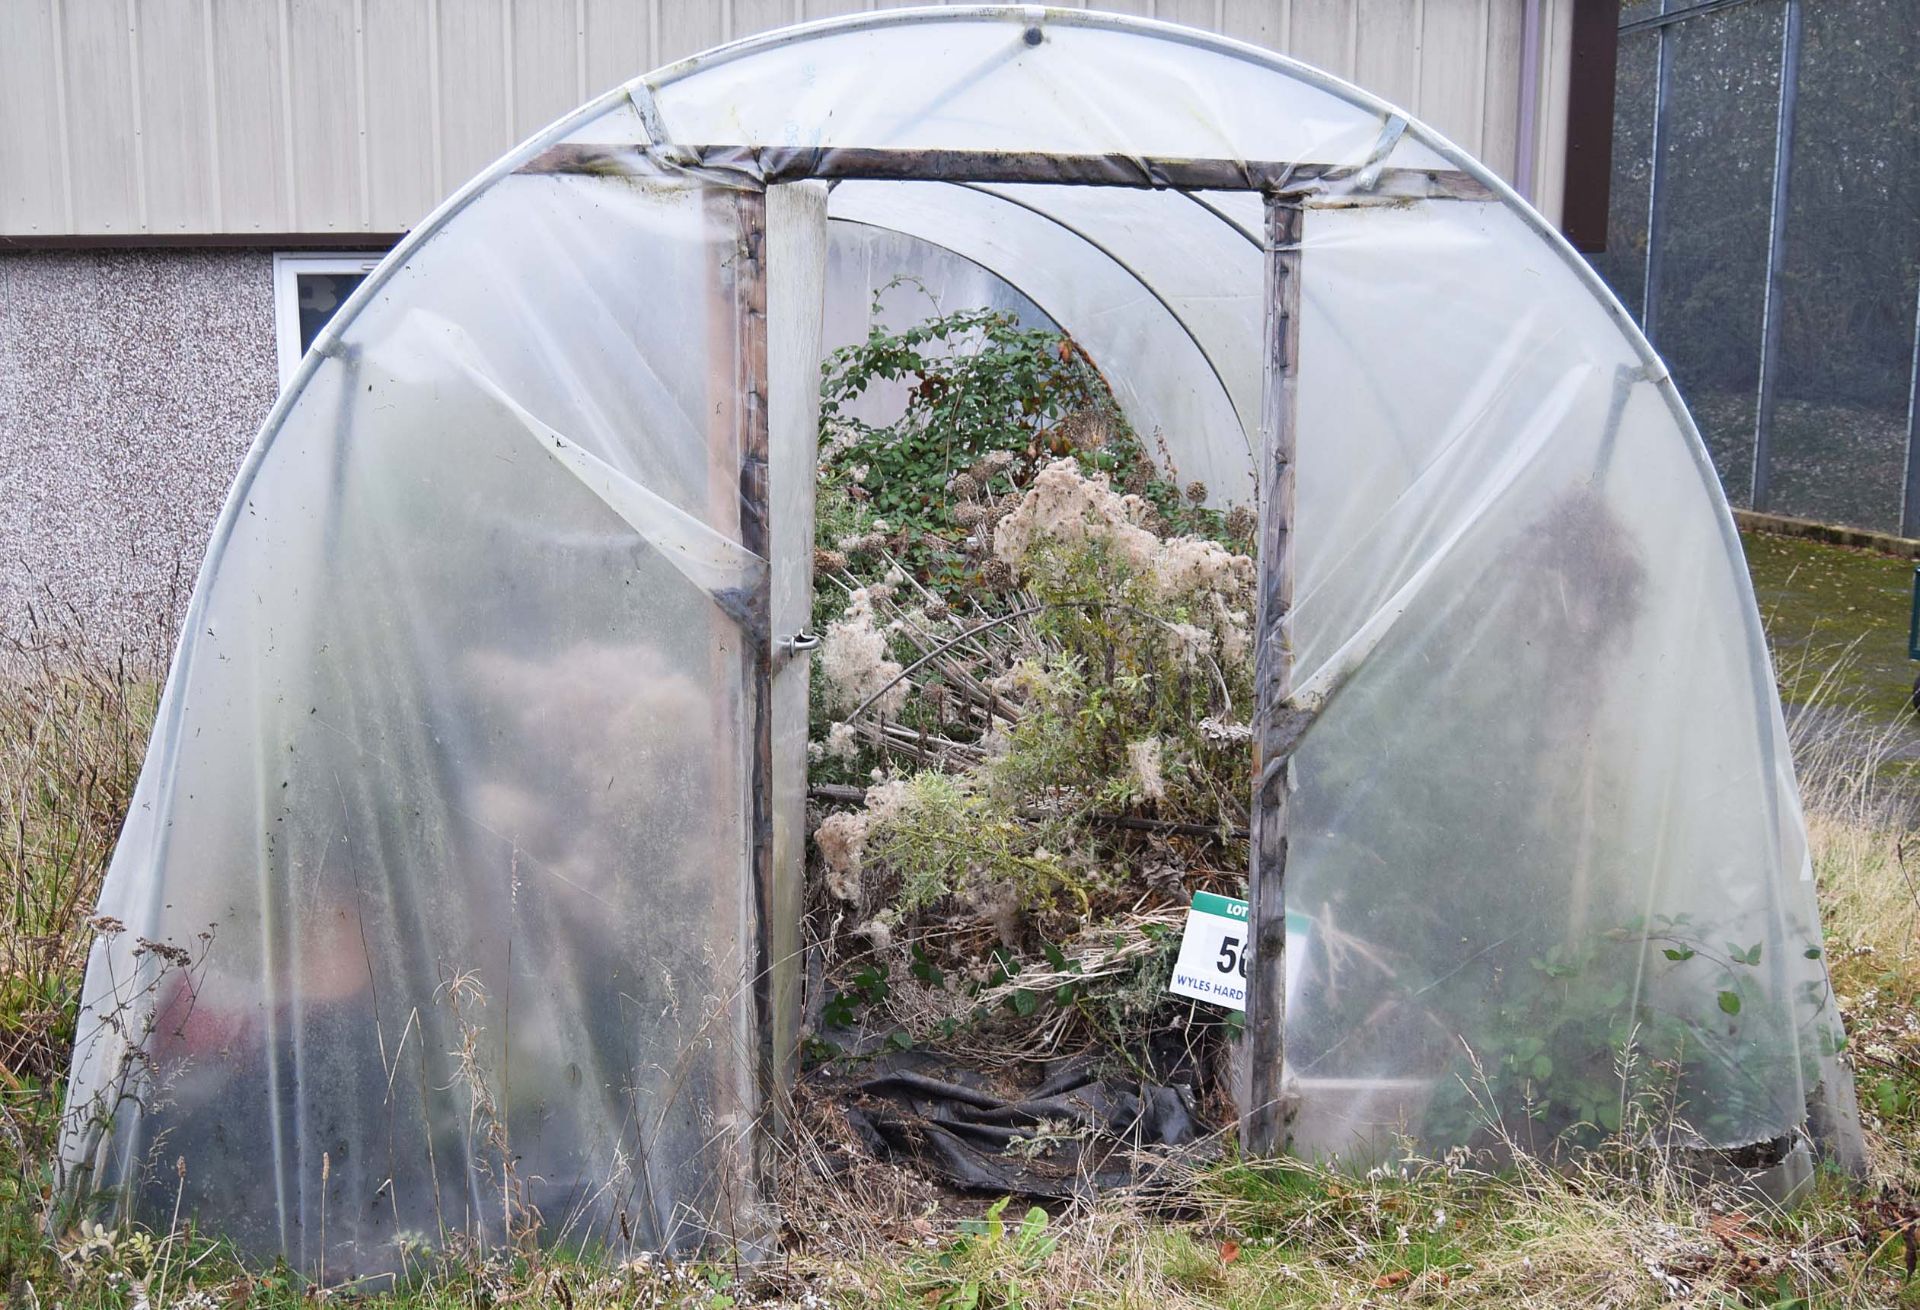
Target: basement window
[[307, 291]]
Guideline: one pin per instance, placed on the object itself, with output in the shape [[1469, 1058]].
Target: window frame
[[287, 270]]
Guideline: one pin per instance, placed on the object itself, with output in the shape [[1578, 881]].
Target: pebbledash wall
[[131, 382], [156, 154]]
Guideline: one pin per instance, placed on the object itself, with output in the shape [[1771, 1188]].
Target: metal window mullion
[[1653, 22], [1662, 95], [1910, 492], [1761, 490], [1264, 1120]]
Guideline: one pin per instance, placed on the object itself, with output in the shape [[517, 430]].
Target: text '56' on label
[[1214, 946]]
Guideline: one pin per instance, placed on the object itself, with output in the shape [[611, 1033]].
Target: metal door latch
[[787, 648]]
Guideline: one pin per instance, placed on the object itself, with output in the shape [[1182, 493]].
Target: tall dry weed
[[73, 733]]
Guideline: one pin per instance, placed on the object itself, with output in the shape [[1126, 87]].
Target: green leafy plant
[[986, 402], [984, 1268], [976, 383], [1585, 1033], [869, 987]]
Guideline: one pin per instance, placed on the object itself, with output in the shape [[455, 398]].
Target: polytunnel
[[462, 876]]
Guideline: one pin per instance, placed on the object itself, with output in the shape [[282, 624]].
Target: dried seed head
[[994, 461], [964, 485], [968, 516], [1241, 521], [998, 575], [1197, 492], [828, 561]]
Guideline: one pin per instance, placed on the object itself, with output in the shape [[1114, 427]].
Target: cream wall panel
[[32, 188], [1453, 50], [172, 68], [546, 63], [619, 40], [750, 16], [1556, 66], [249, 126], [1389, 50], [1500, 92], [475, 125], [1194, 13], [1324, 34], [323, 63], [105, 148], [212, 117], [813, 9], [688, 29], [1257, 22], [400, 112]]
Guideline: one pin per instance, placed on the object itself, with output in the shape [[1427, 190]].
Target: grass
[[75, 730], [1821, 603], [1625, 1227]]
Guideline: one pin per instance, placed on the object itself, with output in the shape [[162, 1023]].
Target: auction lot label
[[1213, 951]]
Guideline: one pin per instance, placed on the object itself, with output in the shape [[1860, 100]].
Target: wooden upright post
[[729, 1183], [748, 269], [1264, 1121]]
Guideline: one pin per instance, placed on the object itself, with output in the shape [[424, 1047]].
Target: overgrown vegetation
[[1837, 618], [75, 731], [1037, 671], [1041, 655]]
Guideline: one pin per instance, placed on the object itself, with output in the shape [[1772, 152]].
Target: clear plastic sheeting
[[458, 893], [1106, 306], [975, 79], [1204, 272], [1546, 798], [452, 769]]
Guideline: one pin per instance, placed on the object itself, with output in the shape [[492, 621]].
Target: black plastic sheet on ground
[[1075, 1132]]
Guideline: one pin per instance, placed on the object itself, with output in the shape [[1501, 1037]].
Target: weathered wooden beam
[[764, 165], [1265, 1117], [739, 489], [796, 264], [756, 509]]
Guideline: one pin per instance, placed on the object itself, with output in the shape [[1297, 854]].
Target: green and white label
[[1213, 951]]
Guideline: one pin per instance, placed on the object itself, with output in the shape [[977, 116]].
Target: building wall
[[120, 118], [131, 382]]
